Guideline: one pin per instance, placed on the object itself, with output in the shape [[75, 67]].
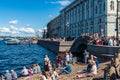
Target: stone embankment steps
[[66, 45]]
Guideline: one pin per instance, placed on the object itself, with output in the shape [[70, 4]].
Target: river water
[[17, 56]]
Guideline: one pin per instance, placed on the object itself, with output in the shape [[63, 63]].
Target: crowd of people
[[9, 75], [110, 41], [52, 70], [92, 66], [97, 39], [65, 62], [12, 75], [63, 66], [49, 72]]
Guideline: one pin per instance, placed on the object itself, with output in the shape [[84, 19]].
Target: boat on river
[[12, 42], [1, 38], [25, 42]]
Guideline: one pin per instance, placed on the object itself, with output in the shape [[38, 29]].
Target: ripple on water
[[17, 56]]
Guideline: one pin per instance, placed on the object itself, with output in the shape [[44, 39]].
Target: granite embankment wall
[[50, 45], [103, 49], [56, 46], [61, 47]]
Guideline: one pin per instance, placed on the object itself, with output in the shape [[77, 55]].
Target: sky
[[26, 17]]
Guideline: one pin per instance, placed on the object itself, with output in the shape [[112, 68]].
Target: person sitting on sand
[[35, 68], [93, 72], [1, 76], [14, 75], [8, 75], [94, 58], [24, 72], [44, 75], [114, 68], [89, 67], [30, 71], [55, 73], [38, 68], [48, 76], [66, 69], [52, 75]]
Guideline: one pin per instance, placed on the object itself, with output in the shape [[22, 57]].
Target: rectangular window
[[100, 8], [96, 9], [118, 6], [104, 7]]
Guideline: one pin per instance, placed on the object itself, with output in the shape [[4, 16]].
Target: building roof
[[69, 5]]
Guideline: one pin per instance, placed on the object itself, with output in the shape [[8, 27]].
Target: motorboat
[[12, 42], [25, 42], [1, 38]]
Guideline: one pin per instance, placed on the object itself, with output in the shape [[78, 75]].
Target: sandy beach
[[75, 69]]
